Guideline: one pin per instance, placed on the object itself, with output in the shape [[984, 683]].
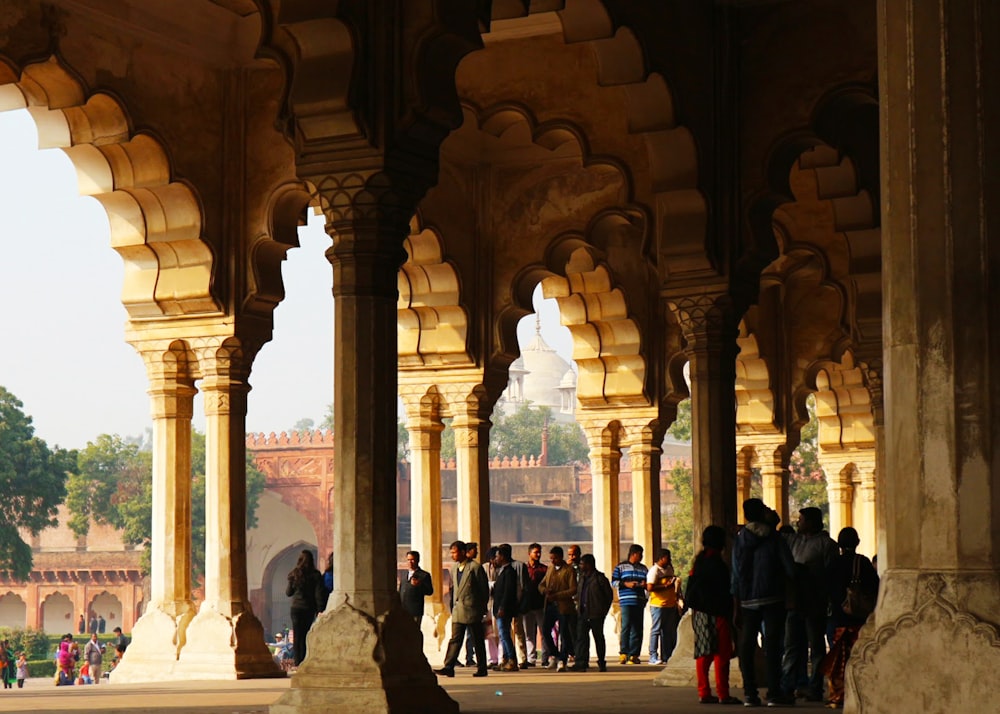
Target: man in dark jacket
[[762, 569], [532, 605], [813, 550], [470, 594], [415, 585], [593, 597], [505, 605]]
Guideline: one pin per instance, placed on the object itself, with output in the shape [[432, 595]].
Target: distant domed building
[[540, 377]]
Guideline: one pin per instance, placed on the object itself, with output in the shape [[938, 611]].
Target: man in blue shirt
[[629, 579]]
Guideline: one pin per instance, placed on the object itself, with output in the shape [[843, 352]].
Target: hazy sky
[[62, 348]]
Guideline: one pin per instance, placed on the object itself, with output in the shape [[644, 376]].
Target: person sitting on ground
[[707, 596]]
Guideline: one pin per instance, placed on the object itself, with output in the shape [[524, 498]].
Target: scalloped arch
[[432, 326], [156, 223]]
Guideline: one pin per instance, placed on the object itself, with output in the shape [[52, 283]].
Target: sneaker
[[634, 659], [752, 701], [710, 699], [561, 666], [553, 663], [654, 660], [545, 663], [623, 659]]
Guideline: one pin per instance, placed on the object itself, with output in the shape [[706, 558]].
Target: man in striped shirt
[[629, 579]]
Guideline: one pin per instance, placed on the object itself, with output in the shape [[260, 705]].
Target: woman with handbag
[[853, 591]]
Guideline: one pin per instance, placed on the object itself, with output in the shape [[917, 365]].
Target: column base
[[436, 629], [359, 663], [220, 647], [156, 640], [937, 618], [680, 670]]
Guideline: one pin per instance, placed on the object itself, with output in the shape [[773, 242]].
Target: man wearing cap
[[805, 625]]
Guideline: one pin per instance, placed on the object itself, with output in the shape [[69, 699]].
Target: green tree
[[520, 434], [113, 485], [807, 482], [107, 470], [678, 527], [32, 484], [327, 422], [304, 425], [681, 428]]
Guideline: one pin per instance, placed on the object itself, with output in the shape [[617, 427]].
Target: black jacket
[[707, 588], [307, 592], [412, 596], [505, 592]]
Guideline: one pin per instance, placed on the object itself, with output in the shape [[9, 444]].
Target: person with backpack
[[848, 571]]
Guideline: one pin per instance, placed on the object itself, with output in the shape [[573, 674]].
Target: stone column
[[605, 458], [159, 634], [745, 458], [425, 498], [472, 472], [225, 639], [774, 476], [365, 652], [838, 466], [644, 459], [709, 325], [939, 85]]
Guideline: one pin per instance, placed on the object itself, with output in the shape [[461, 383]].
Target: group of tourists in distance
[[793, 589]]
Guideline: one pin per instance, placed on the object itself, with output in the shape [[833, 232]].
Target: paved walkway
[[500, 693]]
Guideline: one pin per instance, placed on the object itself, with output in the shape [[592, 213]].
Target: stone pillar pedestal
[[360, 663], [364, 654], [225, 639], [680, 670], [159, 634], [933, 643]]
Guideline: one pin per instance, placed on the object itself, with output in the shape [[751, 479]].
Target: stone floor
[[513, 693]]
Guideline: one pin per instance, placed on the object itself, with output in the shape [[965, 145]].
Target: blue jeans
[[663, 632], [631, 635], [506, 643], [805, 641]]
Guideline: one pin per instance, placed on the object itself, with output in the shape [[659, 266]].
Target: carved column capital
[[707, 320]]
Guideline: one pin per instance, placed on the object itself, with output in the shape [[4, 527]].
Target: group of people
[[500, 607], [795, 587], [12, 669], [96, 626], [91, 660]]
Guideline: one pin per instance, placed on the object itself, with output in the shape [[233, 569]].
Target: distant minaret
[[538, 324]]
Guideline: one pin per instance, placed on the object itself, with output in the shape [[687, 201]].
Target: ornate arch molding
[[671, 189], [432, 325], [607, 344], [844, 128], [843, 403], [341, 108], [156, 222]]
